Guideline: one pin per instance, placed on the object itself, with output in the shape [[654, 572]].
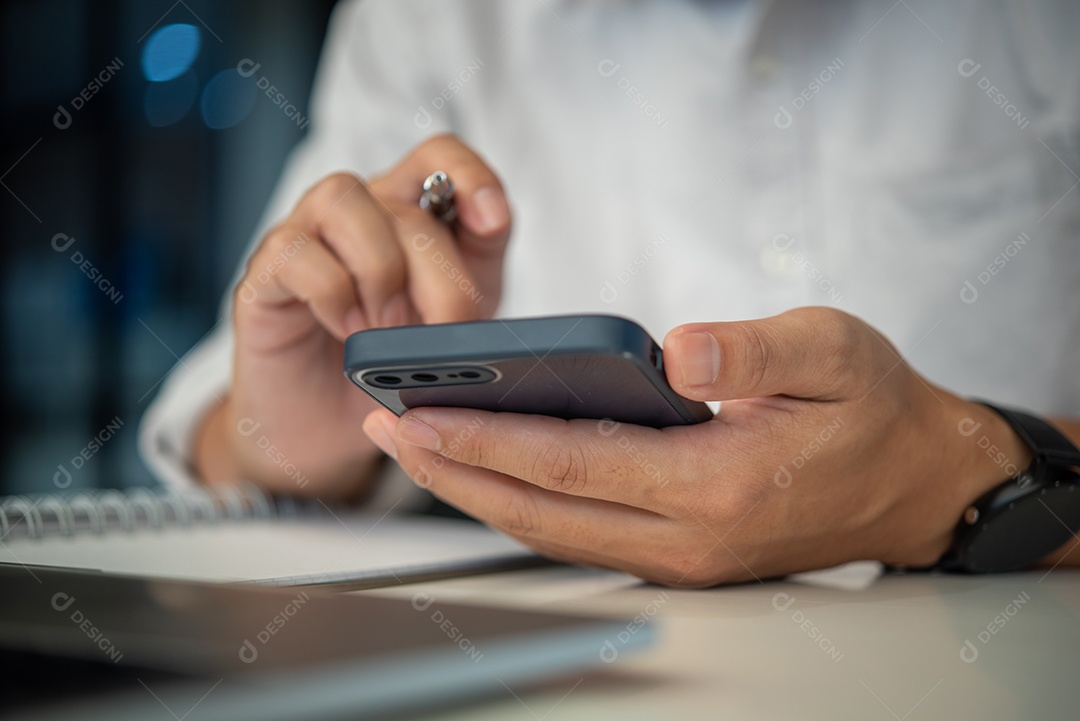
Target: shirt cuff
[[167, 432]]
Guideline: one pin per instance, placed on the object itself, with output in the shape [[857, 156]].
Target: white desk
[[892, 651]]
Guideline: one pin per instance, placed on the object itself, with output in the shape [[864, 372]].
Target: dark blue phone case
[[588, 366]]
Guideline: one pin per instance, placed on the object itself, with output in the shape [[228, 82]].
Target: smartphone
[[583, 366]]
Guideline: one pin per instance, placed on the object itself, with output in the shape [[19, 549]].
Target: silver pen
[[438, 196]]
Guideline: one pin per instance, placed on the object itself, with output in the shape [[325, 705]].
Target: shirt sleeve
[[367, 110]]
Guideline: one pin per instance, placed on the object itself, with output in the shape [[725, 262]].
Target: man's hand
[[828, 448], [352, 255]]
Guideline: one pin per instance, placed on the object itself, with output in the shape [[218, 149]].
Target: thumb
[[812, 353]]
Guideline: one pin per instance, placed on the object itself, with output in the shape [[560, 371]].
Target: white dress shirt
[[913, 163]]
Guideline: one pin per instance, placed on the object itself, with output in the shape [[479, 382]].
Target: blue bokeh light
[[166, 103], [227, 99], [170, 51]]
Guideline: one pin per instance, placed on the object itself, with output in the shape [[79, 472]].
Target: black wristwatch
[[1029, 516]]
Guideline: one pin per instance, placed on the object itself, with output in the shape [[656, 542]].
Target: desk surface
[[909, 647]]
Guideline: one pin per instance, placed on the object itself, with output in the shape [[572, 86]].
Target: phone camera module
[[432, 377]]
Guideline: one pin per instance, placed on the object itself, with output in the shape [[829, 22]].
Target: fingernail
[[491, 210], [699, 359], [381, 433], [418, 433], [396, 311]]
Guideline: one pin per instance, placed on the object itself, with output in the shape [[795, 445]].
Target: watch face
[[1021, 532]]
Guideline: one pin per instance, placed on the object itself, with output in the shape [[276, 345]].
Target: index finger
[[592, 459], [483, 211], [351, 221]]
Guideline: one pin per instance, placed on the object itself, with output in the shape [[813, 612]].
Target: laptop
[[86, 645]]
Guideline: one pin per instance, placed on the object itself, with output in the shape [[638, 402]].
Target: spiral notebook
[[240, 534]]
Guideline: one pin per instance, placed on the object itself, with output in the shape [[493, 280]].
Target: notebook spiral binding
[[100, 511]]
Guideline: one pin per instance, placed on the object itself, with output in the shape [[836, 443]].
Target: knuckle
[[329, 290], [693, 566], [560, 466], [280, 239], [333, 286], [717, 509], [759, 353], [520, 516], [331, 190], [844, 331], [549, 551], [471, 450], [439, 142], [696, 576], [706, 561], [278, 243], [846, 350], [383, 265], [326, 296], [742, 496]]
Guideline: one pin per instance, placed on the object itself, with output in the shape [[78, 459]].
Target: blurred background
[[137, 160]]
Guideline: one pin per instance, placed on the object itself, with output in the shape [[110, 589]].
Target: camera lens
[[425, 377], [469, 374], [387, 380]]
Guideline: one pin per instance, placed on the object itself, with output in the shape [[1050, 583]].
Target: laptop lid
[[91, 645]]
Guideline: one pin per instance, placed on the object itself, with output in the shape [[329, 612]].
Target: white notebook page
[[380, 550]]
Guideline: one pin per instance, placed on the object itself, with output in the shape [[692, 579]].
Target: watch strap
[[1049, 472], [1047, 442]]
